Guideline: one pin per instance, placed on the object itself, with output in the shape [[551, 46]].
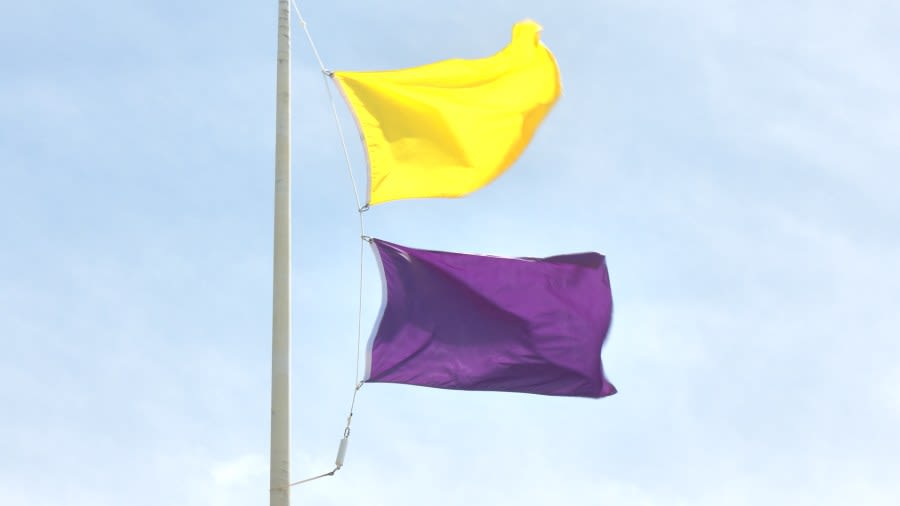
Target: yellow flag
[[449, 128]]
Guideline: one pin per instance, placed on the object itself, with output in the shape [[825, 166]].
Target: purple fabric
[[472, 322]]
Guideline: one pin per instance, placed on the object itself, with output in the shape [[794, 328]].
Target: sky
[[735, 161]]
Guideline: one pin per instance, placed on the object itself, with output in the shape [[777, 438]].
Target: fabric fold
[[449, 128], [476, 322]]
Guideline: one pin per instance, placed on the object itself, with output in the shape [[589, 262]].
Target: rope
[[308, 36], [360, 209], [331, 473], [337, 121]]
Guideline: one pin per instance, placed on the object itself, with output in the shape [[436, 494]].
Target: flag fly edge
[[384, 301]]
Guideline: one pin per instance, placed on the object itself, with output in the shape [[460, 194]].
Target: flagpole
[[280, 443]]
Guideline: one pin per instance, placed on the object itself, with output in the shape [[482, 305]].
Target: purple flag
[[473, 322]]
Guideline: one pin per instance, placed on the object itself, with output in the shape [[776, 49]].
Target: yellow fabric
[[449, 128]]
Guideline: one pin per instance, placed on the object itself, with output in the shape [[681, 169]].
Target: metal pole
[[280, 456]]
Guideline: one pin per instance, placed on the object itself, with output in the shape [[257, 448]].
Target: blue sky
[[735, 161]]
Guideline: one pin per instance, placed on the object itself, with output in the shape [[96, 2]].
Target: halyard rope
[[357, 384]]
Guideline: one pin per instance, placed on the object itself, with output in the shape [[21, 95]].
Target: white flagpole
[[280, 457]]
